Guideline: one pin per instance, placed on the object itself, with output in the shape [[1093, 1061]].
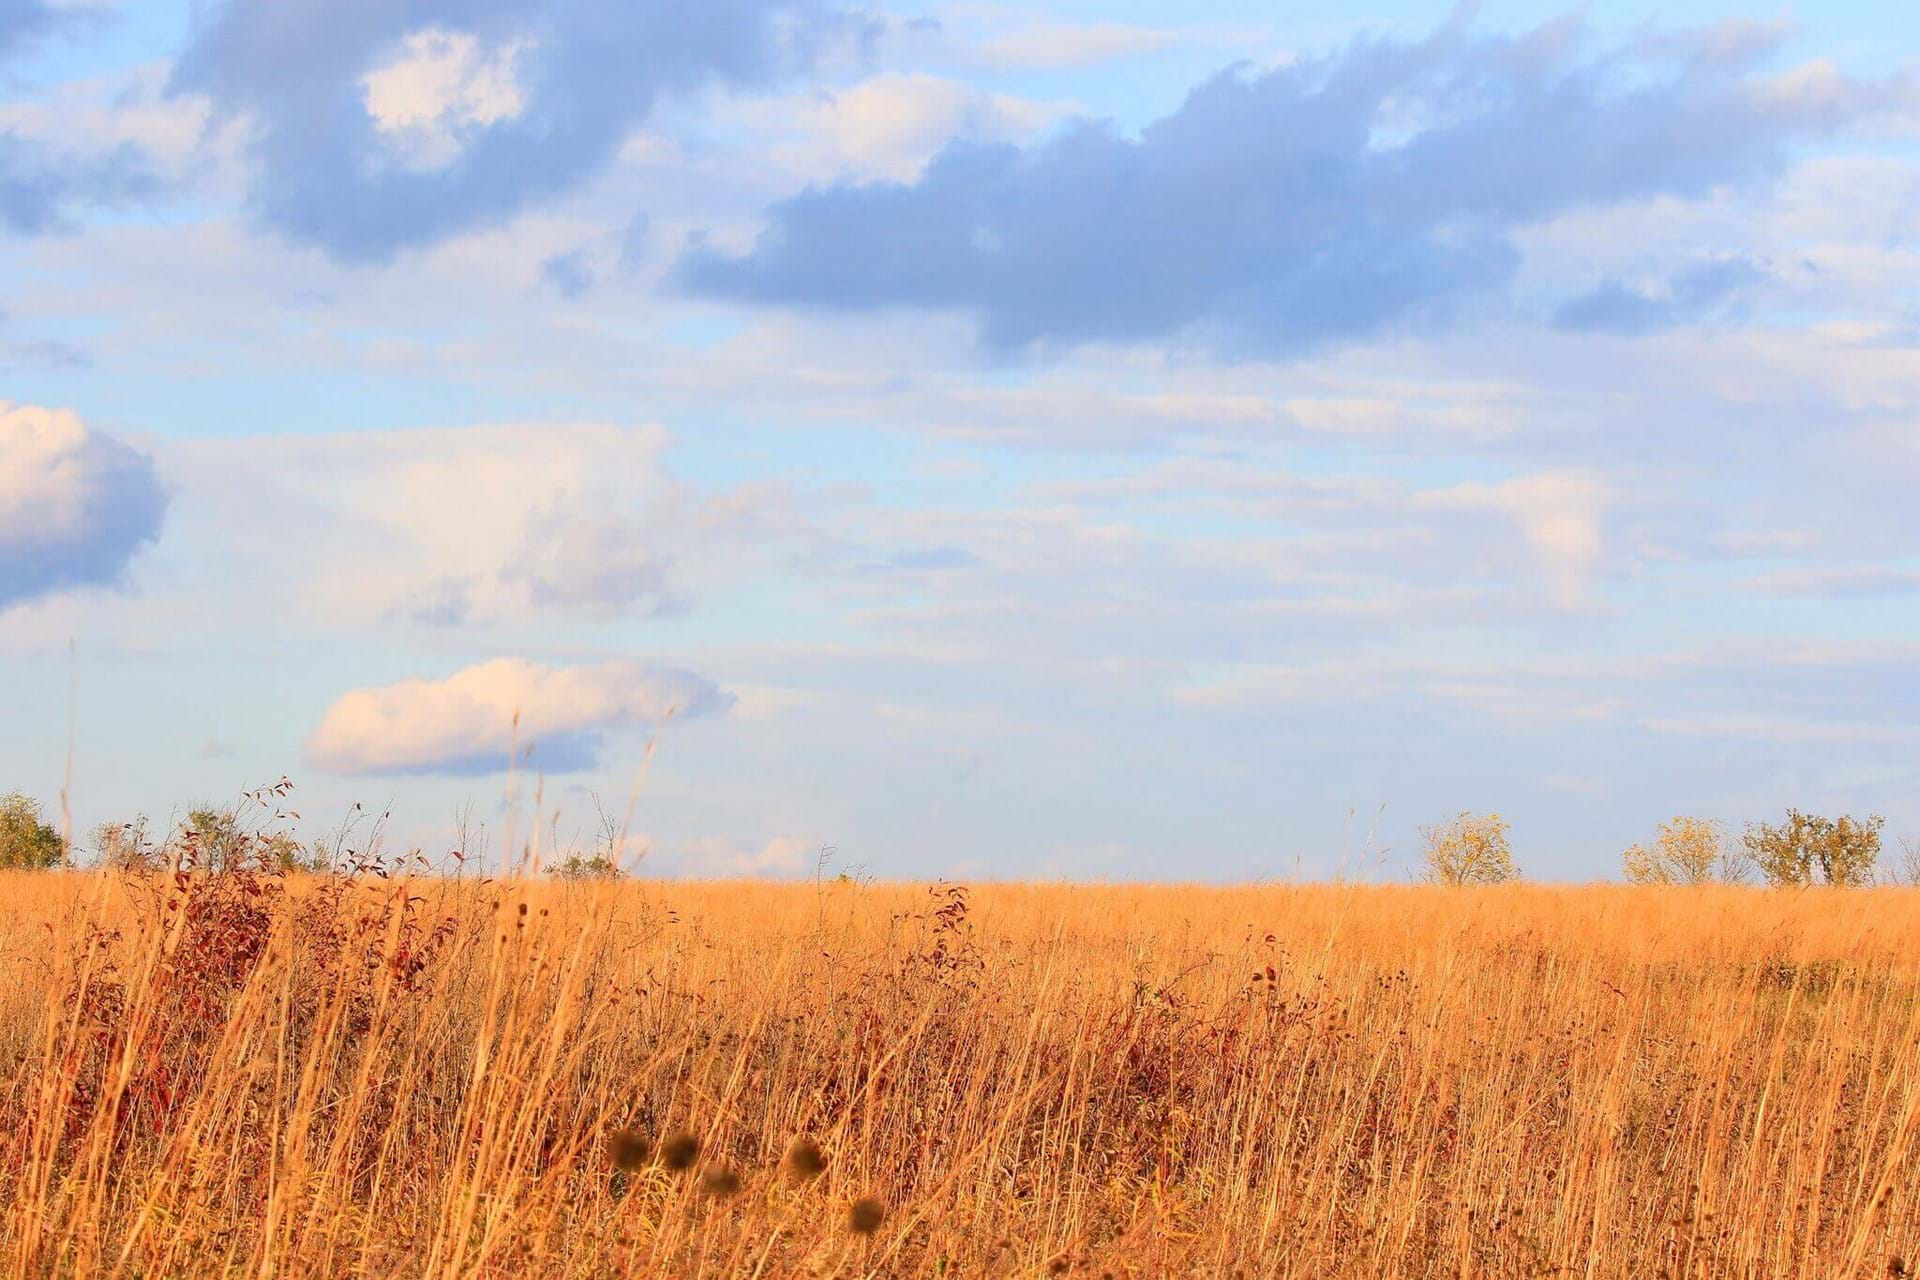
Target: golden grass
[[426, 1078]]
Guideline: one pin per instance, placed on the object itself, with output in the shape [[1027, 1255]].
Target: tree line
[[1801, 850]]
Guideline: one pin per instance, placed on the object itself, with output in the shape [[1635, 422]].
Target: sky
[[1090, 439]]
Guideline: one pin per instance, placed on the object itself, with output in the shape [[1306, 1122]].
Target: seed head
[[865, 1215], [628, 1149], [805, 1158], [720, 1181], [679, 1151]]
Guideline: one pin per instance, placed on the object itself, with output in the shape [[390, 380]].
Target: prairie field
[[381, 1076]]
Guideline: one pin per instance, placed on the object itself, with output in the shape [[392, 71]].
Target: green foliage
[[1806, 849], [1471, 849], [25, 840], [217, 840], [595, 866], [1684, 851]]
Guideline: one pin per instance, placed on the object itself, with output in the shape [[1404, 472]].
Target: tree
[[1471, 849], [125, 846], [1684, 851], [1807, 849], [26, 841]]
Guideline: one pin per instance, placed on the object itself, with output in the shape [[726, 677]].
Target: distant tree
[[1908, 872], [1684, 851], [211, 838], [125, 846], [216, 840], [603, 862], [1471, 849], [1807, 849], [26, 841]]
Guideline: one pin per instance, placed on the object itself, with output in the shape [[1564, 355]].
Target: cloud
[[22, 22], [889, 126], [1839, 582], [75, 505], [476, 525], [1327, 199], [39, 190], [382, 127], [466, 724], [1050, 46], [1693, 294], [724, 857], [1560, 516]]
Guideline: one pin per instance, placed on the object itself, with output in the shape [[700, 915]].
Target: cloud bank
[[1327, 199], [75, 505], [466, 724]]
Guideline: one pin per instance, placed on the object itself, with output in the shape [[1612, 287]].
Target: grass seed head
[[628, 1149], [679, 1151], [805, 1158], [865, 1215]]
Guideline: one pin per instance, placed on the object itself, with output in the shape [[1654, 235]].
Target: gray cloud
[[1330, 198], [75, 505], [514, 102], [1693, 294], [22, 22], [38, 192]]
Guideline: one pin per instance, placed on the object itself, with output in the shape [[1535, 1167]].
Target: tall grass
[[251, 1075]]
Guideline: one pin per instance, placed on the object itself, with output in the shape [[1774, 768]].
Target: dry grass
[[244, 1076]]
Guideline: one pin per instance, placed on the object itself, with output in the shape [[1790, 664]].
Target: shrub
[[1684, 851], [1806, 849], [26, 841], [1471, 849], [126, 846]]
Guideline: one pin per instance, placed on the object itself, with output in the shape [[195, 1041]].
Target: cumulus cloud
[[889, 126], [1693, 294], [75, 504], [470, 723], [1325, 199], [471, 525], [389, 126], [725, 857]]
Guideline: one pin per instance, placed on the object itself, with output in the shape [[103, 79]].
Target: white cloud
[[724, 857], [1559, 515], [75, 505], [1049, 46], [889, 126], [470, 722], [477, 524], [440, 86]]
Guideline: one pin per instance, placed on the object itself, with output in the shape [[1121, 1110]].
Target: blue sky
[[995, 439]]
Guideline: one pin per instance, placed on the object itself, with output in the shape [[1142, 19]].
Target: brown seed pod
[[628, 1149], [805, 1159], [719, 1181], [679, 1151], [865, 1215]]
